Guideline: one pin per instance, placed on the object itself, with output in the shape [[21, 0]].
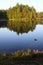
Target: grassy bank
[[21, 58], [32, 59]]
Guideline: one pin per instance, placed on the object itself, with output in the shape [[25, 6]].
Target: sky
[[38, 4]]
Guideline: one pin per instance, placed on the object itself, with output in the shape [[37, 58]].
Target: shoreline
[[27, 52], [17, 19], [17, 59]]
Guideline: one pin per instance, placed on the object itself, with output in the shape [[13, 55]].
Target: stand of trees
[[19, 12], [40, 17], [3, 15]]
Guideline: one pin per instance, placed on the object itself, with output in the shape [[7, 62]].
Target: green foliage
[[22, 53], [40, 17], [21, 12]]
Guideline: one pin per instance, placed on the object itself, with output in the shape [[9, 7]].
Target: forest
[[19, 12]]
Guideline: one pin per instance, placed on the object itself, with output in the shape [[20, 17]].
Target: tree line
[[19, 12]]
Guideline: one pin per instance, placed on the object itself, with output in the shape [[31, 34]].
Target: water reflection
[[21, 27], [10, 41]]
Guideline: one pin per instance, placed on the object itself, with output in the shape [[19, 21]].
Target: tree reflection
[[3, 18], [21, 26]]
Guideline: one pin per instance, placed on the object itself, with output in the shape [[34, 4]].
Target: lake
[[11, 40]]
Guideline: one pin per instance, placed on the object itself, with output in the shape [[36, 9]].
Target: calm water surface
[[10, 41]]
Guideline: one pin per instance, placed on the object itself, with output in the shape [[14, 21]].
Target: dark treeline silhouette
[[3, 15], [3, 18]]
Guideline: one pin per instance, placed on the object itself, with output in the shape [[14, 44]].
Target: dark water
[[10, 41]]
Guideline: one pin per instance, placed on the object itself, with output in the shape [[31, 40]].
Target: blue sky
[[38, 4]]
